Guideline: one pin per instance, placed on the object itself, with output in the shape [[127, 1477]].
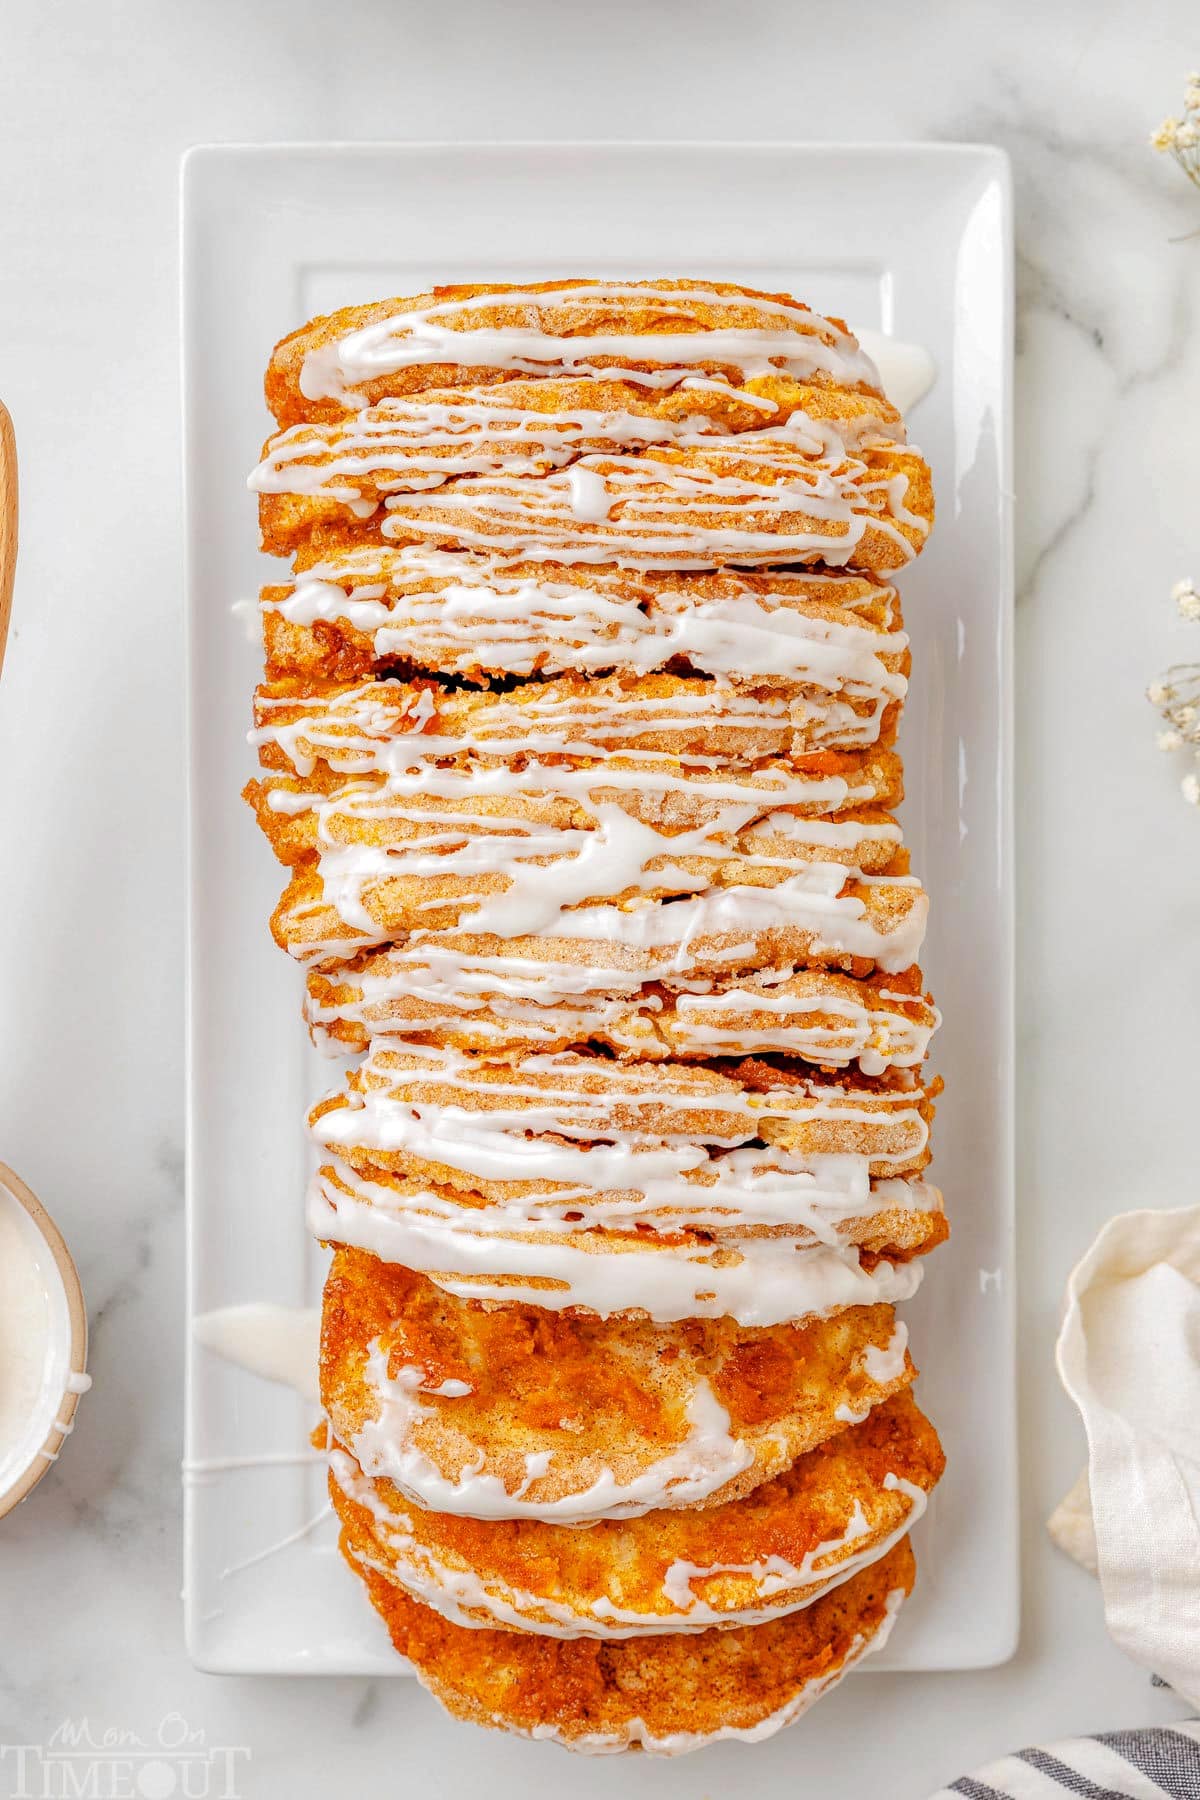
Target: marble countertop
[[97, 104]]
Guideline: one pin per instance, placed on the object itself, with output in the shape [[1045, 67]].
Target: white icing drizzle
[[423, 820], [400, 753], [525, 1119], [887, 1365], [823, 1567], [875, 1040], [737, 914], [849, 1415], [884, 1366], [739, 1193], [637, 1734], [353, 729], [435, 987], [461, 1595], [763, 1281], [771, 496], [723, 923], [386, 1446], [788, 339], [405, 445], [200, 1471], [480, 615], [589, 498], [277, 1545]]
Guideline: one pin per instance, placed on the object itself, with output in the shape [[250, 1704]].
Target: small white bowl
[[66, 1375]]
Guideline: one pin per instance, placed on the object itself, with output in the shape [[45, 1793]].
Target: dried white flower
[[1180, 138], [1187, 598], [1176, 694]]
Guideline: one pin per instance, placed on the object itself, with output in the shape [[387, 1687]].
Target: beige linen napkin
[[1129, 1356]]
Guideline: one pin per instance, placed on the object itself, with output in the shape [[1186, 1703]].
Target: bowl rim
[[47, 1453]]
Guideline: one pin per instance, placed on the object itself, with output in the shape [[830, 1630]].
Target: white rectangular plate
[[913, 241]]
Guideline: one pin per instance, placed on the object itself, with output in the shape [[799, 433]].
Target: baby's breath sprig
[[1177, 697], [1180, 138]]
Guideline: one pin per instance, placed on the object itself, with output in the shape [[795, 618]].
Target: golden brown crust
[[596, 1394], [682, 799], [315, 476], [773, 1551], [528, 618], [398, 993], [309, 927], [366, 810], [654, 310], [895, 1224], [489, 665], [663, 509], [350, 727], [642, 1692], [577, 1096]]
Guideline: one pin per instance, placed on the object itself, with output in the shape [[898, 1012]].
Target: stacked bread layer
[[577, 737]]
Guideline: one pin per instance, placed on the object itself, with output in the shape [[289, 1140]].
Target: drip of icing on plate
[[279, 1343], [906, 371]]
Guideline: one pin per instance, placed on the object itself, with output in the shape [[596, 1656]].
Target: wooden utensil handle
[[8, 522]]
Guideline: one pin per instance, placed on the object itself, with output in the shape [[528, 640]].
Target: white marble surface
[[95, 106]]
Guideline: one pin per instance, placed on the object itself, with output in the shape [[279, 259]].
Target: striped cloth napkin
[[1119, 1765]]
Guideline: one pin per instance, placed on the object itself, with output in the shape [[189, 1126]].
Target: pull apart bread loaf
[[577, 735]]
